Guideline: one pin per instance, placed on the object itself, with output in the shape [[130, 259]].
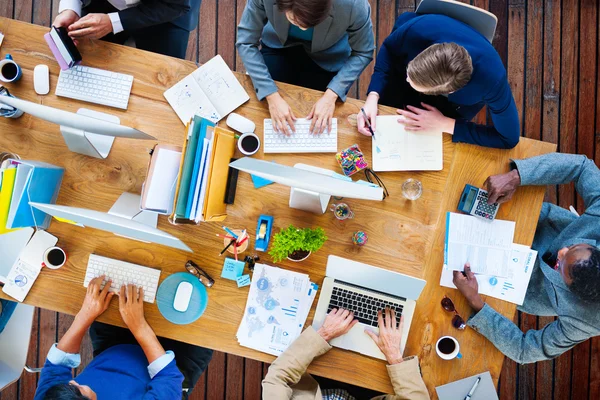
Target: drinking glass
[[412, 189]]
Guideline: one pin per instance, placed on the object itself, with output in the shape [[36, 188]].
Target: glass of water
[[412, 189]]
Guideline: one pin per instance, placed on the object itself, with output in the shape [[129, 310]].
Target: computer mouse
[[41, 79], [240, 124], [183, 296]]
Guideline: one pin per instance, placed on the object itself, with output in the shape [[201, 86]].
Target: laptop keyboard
[[364, 307]]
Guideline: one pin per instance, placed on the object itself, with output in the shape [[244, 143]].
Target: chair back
[[481, 20], [14, 344]]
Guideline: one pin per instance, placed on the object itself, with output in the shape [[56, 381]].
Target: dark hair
[[308, 13], [441, 68], [64, 391], [586, 277]]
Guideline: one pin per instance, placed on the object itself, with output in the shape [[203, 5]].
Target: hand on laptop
[[390, 336], [337, 323]]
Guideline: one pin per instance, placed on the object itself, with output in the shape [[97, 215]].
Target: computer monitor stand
[[128, 206], [89, 143], [307, 200]]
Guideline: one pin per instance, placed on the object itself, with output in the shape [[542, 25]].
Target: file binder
[[35, 181]]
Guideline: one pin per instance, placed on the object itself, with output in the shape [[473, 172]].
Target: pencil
[[235, 251], [225, 236], [242, 241], [232, 241], [230, 231], [368, 123]]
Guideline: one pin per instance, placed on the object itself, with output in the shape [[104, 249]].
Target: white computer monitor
[[86, 132], [113, 222], [311, 186]]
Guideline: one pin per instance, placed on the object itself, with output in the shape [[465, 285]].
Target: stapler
[[263, 232]]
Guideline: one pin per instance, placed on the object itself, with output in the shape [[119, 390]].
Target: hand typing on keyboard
[[390, 336], [321, 113], [337, 323], [96, 300]]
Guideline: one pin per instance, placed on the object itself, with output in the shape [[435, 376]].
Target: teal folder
[[186, 169], [35, 182], [194, 181]]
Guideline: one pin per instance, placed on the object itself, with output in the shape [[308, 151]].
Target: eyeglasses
[[198, 272], [458, 322], [372, 177]]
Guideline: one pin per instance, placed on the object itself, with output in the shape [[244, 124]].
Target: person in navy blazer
[[440, 73]]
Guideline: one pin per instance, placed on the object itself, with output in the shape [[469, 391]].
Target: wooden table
[[404, 236]]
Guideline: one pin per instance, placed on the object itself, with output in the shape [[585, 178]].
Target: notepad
[[400, 150], [458, 390], [212, 91], [232, 269]]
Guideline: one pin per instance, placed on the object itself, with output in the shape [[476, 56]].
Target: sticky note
[[243, 280], [232, 269], [260, 182]]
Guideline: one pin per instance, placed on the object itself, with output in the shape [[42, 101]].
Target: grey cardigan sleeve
[[534, 345], [362, 45], [558, 169], [249, 32]]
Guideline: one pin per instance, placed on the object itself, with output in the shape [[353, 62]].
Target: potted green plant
[[296, 244]]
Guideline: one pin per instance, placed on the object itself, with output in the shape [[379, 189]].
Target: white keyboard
[[123, 273], [302, 141], [95, 86]]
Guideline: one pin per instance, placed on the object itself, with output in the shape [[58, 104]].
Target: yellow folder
[[8, 181], [215, 208]]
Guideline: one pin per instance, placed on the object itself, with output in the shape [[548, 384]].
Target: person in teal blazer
[[440, 73], [319, 44]]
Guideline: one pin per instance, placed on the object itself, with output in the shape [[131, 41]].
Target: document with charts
[[278, 304], [511, 288], [486, 245], [212, 91], [395, 149]]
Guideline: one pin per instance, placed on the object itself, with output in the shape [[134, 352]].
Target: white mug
[[448, 356]]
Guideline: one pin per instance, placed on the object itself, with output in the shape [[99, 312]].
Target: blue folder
[[199, 149], [35, 182]]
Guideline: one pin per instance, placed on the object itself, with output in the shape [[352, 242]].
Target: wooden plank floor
[[551, 49]]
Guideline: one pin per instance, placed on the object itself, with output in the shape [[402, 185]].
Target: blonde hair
[[441, 68]]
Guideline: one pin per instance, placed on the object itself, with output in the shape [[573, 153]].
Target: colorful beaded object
[[351, 160], [360, 238]]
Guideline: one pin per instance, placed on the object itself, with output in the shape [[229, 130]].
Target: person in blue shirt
[[128, 364], [319, 44], [440, 73]]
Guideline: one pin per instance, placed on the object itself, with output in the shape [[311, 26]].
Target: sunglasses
[[457, 321], [199, 273], [372, 177]]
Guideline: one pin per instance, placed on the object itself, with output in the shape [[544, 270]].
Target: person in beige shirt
[[287, 377]]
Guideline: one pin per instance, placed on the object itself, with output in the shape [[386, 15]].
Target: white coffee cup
[[248, 144], [50, 256], [450, 348]]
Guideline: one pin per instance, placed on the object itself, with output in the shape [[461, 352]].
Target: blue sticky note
[[232, 269], [243, 280], [260, 182]]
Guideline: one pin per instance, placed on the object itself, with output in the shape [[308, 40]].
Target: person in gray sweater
[[565, 281]]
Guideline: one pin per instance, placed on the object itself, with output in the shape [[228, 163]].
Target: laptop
[[365, 290]]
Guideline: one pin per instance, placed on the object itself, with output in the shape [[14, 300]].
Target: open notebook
[[212, 91], [395, 149]]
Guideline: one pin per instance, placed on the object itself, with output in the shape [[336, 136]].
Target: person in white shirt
[[160, 26]]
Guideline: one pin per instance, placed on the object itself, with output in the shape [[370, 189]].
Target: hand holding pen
[[366, 118]]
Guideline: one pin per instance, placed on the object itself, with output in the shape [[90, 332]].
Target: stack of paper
[[24, 182], [503, 268], [278, 304]]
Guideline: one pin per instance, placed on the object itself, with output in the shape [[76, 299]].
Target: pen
[[230, 231], [242, 241], [468, 397], [232, 241], [368, 123], [224, 236]]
